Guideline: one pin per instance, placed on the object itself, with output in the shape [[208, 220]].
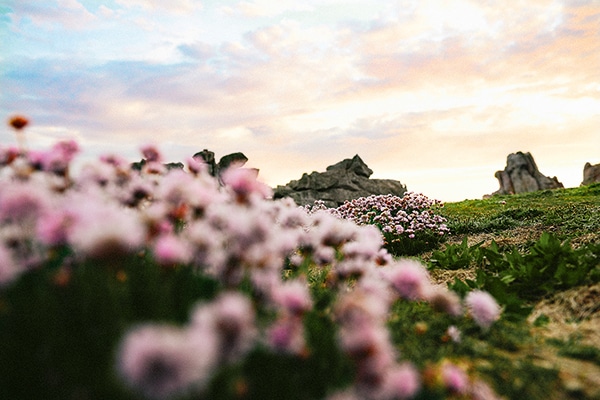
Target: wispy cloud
[[410, 86]]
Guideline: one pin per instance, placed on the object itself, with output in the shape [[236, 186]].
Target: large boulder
[[591, 174], [346, 180], [521, 175]]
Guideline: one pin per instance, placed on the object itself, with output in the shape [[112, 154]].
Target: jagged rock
[[138, 165], [233, 159], [209, 159], [521, 175], [591, 174], [346, 180]]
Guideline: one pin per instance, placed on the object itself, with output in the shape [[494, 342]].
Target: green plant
[[514, 277]]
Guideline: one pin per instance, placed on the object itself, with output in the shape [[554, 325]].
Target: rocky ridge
[[348, 179]]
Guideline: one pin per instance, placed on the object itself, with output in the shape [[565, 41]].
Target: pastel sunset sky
[[432, 93]]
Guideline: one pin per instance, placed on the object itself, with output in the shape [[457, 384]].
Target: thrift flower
[[401, 382], [52, 227], [151, 153], [170, 249], [162, 361], [446, 301], [454, 378], [243, 182], [287, 335], [453, 333], [483, 308], [293, 296], [232, 319], [409, 278], [8, 268], [104, 231], [22, 202]]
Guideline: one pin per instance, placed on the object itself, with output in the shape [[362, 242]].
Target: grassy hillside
[[572, 214], [539, 255]]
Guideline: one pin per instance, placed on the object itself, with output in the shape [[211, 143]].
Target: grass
[[572, 214], [494, 240]]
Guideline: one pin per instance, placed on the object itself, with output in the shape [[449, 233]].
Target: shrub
[[409, 224]]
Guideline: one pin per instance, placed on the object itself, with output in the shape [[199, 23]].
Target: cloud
[[174, 6], [266, 8], [409, 89], [51, 13]]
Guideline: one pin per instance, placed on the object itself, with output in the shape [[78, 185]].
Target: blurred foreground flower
[[483, 308], [162, 361]]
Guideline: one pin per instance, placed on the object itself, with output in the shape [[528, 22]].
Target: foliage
[[513, 277]]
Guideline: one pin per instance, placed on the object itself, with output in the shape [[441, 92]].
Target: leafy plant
[[513, 277]]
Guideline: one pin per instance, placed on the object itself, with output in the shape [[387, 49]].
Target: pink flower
[[454, 378], [244, 183], [196, 165], [232, 319], [453, 333], [151, 153], [8, 269], [163, 361], [8, 154], [483, 308], [445, 301], [104, 230], [409, 278], [287, 335], [401, 382], [368, 345], [52, 227], [170, 249], [293, 296], [21, 203], [58, 158]]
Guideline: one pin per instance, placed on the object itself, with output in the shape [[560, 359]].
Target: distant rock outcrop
[[208, 157], [138, 165], [521, 175], [591, 174], [346, 180], [214, 168]]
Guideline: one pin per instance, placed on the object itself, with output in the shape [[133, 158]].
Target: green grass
[[568, 213], [522, 248]]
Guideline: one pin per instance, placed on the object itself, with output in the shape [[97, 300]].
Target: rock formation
[[346, 180], [214, 168], [591, 174], [208, 157], [521, 175], [138, 165]]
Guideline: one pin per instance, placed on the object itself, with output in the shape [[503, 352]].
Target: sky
[[434, 94]]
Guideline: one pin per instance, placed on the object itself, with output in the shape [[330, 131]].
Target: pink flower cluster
[[233, 234], [400, 216]]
